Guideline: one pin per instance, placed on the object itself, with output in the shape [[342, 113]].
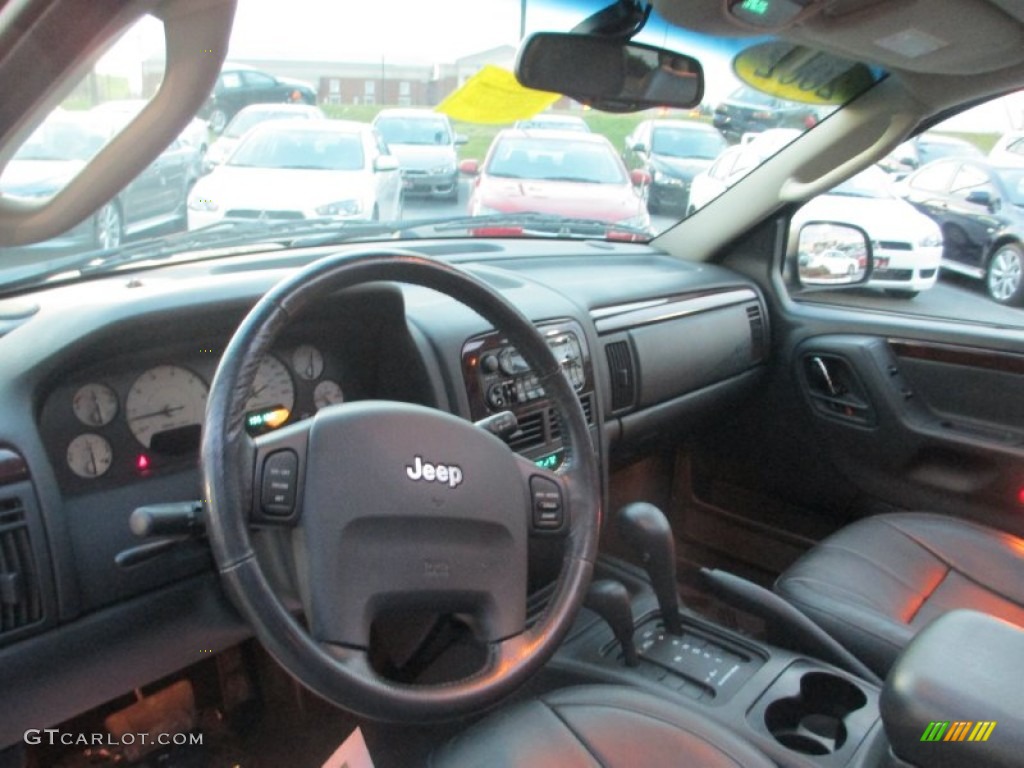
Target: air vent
[[588, 413], [20, 599], [620, 365], [530, 433], [757, 335]]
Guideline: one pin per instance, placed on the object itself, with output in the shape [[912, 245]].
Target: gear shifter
[[609, 599], [646, 529]]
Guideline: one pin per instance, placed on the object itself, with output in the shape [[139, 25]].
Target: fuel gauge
[[327, 392]]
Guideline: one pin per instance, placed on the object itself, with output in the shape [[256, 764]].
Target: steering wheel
[[395, 506]]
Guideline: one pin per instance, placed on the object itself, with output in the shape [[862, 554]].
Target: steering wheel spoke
[[279, 467]]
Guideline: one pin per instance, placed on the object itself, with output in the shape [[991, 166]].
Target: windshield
[[414, 130], [63, 139], [680, 142], [279, 147], [550, 159], [872, 182], [412, 88], [1013, 180]]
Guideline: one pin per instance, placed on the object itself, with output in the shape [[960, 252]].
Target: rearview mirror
[[609, 74]]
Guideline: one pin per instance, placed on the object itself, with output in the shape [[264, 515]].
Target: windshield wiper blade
[[534, 223]]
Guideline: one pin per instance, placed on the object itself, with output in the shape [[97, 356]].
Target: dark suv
[[240, 86], [750, 111]]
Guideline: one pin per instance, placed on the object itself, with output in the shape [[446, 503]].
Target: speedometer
[[165, 399]]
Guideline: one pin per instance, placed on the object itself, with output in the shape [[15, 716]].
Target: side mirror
[[385, 163], [638, 146], [983, 197], [639, 178], [610, 74], [460, 139], [833, 255], [469, 167]]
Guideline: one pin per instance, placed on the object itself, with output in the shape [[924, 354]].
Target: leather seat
[[598, 725], [874, 584]]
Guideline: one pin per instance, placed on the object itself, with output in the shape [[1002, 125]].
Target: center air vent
[[20, 596], [620, 365]]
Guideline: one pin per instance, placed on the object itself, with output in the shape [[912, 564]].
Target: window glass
[[944, 235]]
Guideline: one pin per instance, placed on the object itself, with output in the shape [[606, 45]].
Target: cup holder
[[812, 722]]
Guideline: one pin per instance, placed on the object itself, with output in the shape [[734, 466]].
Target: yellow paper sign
[[494, 96], [802, 74]]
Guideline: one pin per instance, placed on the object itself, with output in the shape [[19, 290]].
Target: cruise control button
[[280, 470]]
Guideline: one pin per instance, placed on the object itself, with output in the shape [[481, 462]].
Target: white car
[[1008, 149], [301, 170], [248, 118], [735, 163], [907, 245]]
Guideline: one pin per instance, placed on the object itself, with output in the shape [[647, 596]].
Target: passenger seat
[[876, 583]]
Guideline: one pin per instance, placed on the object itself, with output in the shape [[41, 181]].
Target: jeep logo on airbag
[[448, 474]]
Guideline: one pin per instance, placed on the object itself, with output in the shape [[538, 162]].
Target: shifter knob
[[609, 599], [647, 530]]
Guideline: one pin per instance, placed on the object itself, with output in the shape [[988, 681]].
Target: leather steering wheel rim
[[342, 674]]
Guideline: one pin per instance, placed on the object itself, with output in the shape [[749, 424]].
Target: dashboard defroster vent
[[620, 365], [588, 413], [20, 598], [757, 335]]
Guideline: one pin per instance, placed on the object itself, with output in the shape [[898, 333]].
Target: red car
[[559, 173]]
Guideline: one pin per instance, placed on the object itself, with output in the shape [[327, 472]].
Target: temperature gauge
[[327, 392]]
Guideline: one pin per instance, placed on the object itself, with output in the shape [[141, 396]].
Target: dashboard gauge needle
[[167, 410], [97, 414], [91, 467], [310, 367]]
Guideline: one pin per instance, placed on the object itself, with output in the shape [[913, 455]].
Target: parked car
[[196, 133], [925, 148], [1008, 149], [980, 208], [672, 152], [251, 116], [750, 111], [551, 121], [906, 244], [426, 146], [239, 86], [564, 173], [61, 147], [736, 162], [301, 169]]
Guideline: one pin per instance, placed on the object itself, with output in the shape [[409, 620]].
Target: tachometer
[[89, 455], [95, 404], [165, 399]]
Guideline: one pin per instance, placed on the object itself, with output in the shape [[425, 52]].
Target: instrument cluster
[[127, 421]]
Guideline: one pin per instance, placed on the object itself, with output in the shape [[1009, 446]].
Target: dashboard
[[103, 408]]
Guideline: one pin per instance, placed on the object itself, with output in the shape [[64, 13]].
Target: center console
[[797, 708], [498, 379]]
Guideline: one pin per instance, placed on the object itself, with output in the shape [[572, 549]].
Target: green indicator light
[[756, 7], [551, 461]]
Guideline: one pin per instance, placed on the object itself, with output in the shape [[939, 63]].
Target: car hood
[[605, 202], [881, 218], [423, 157], [34, 177], [683, 167], [280, 188]]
